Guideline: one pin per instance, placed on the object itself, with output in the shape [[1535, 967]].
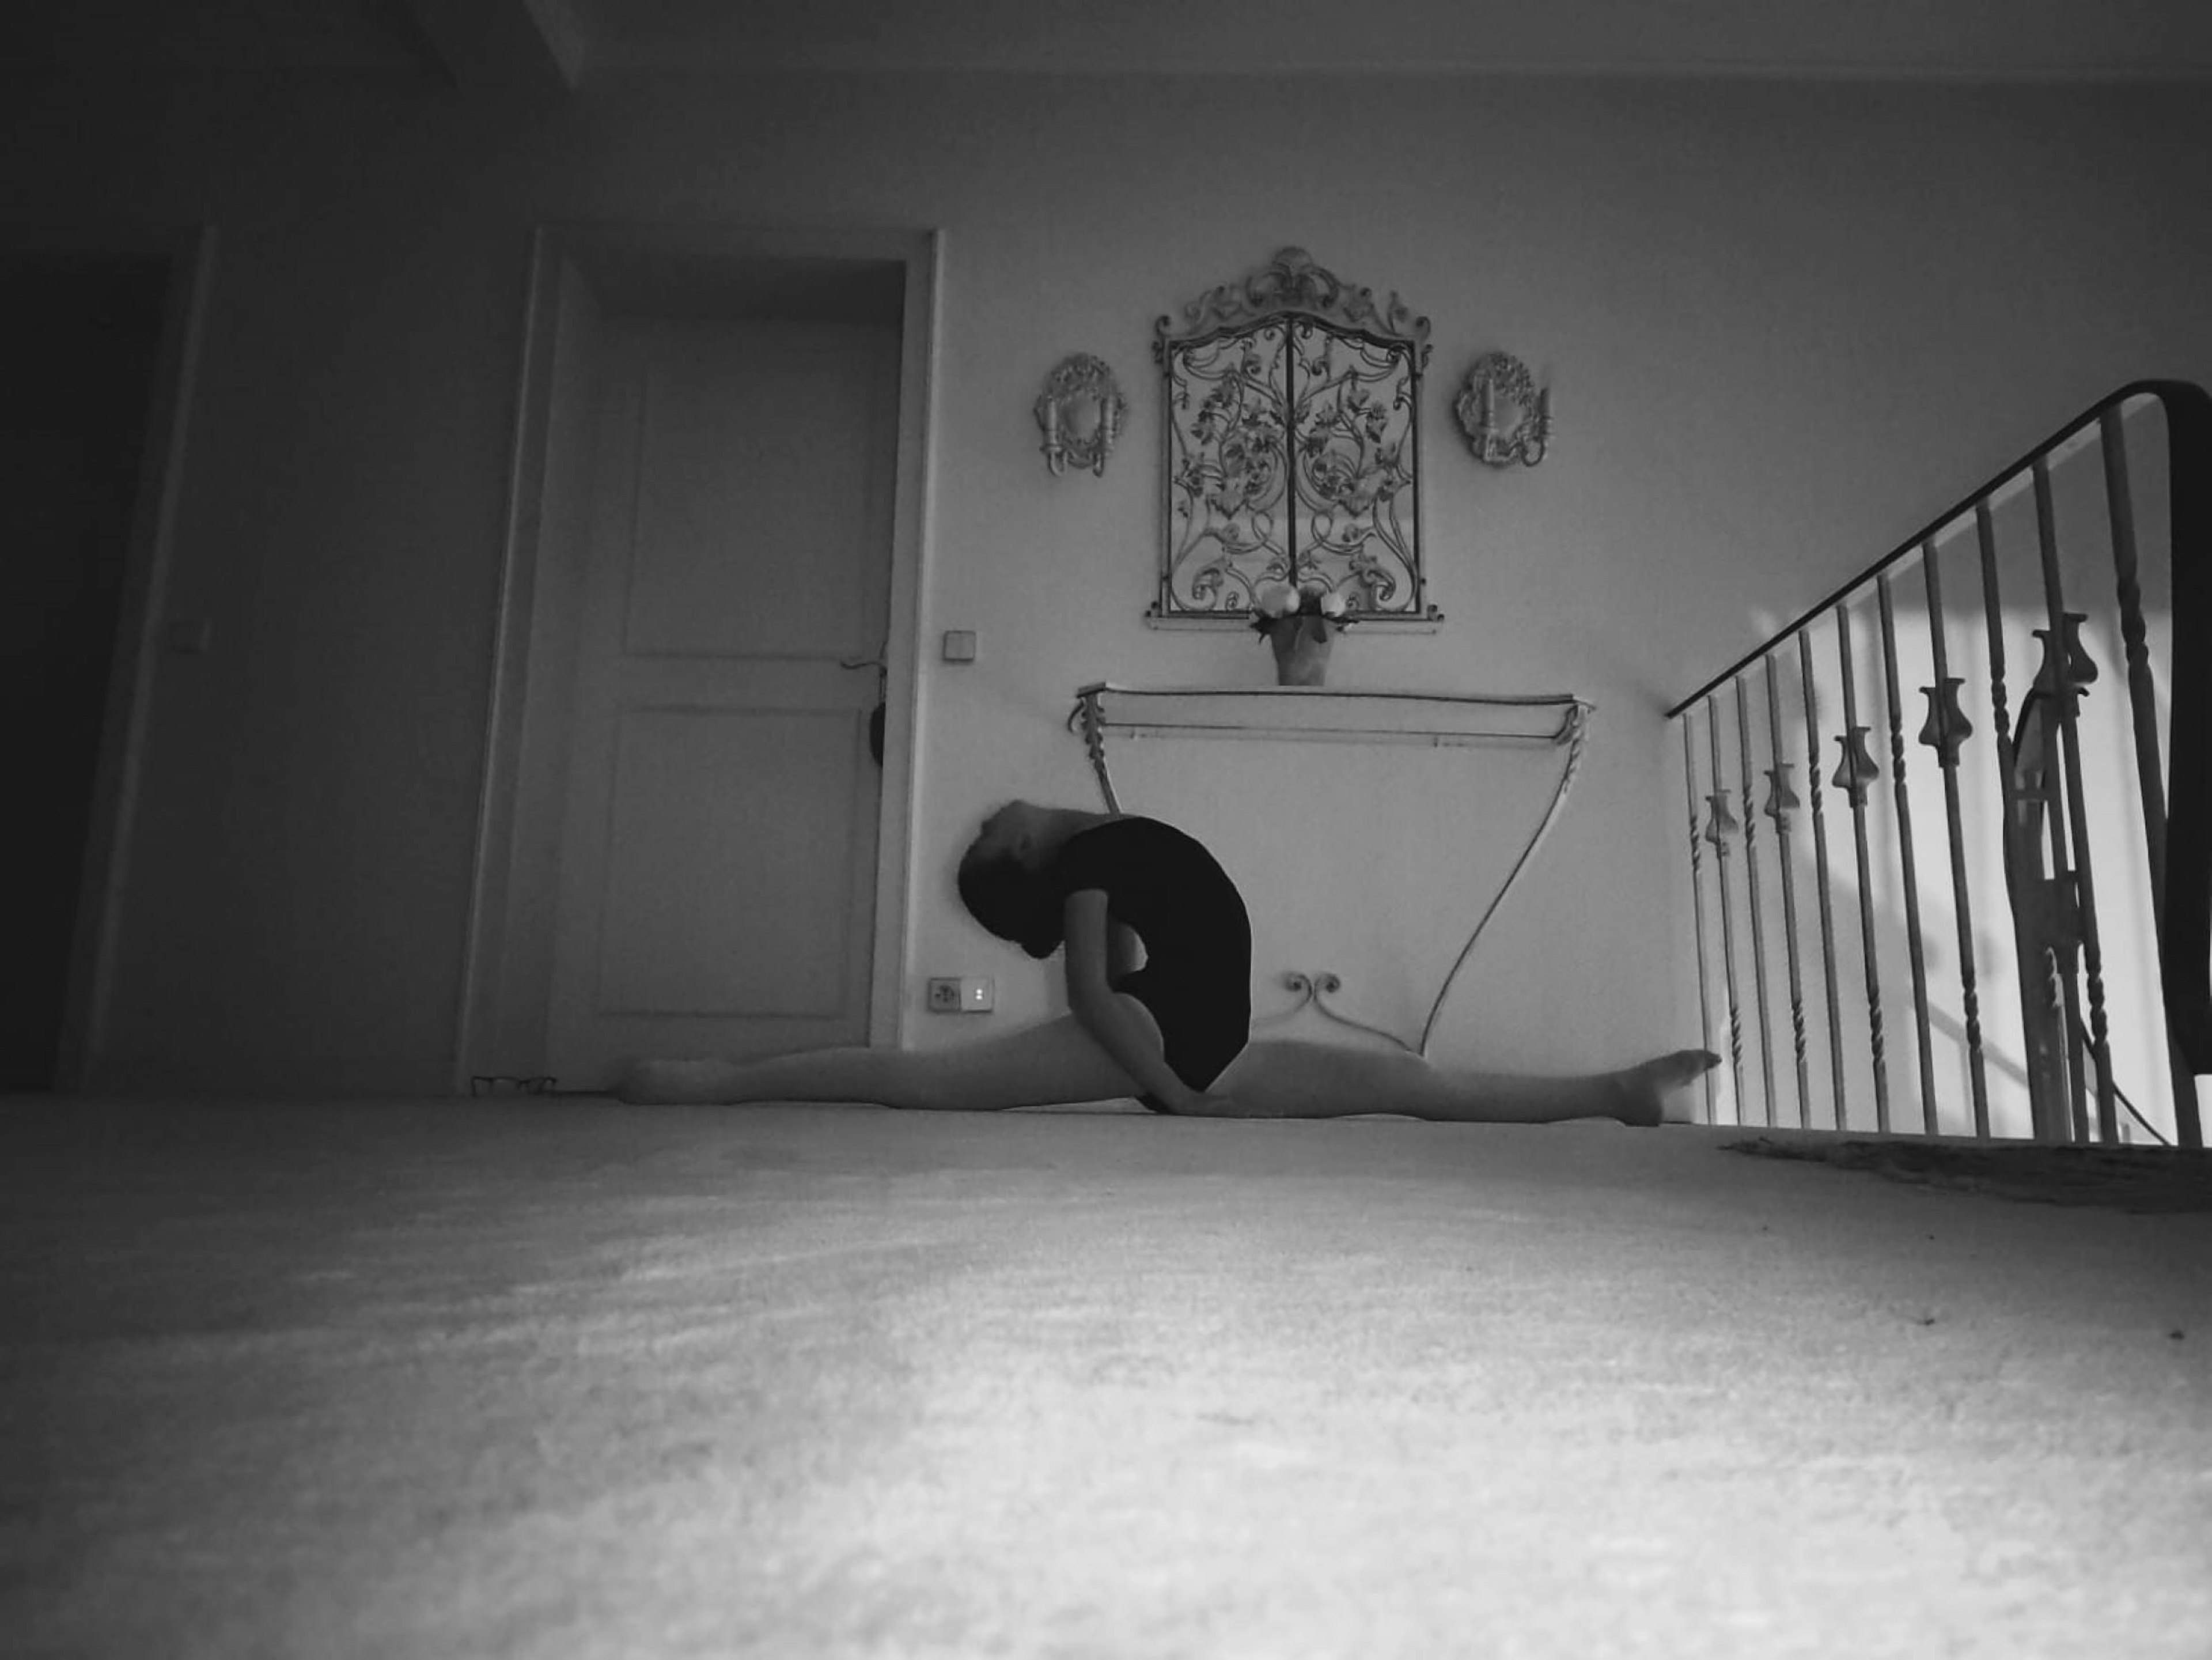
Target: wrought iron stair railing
[[2074, 899]]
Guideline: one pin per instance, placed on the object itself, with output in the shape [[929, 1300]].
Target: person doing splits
[[1158, 951]]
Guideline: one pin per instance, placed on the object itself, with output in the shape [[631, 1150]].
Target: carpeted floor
[[555, 1378], [2141, 1179]]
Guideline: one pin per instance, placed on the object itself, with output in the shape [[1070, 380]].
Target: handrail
[[2172, 394], [2186, 932]]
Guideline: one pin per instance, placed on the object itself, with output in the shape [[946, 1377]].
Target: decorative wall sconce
[[1081, 414], [1504, 416]]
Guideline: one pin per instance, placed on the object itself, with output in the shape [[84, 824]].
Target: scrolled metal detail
[[1721, 823], [1291, 446], [1080, 413], [1314, 990], [1500, 380], [1946, 728], [1087, 715], [1857, 772], [1781, 798], [1299, 984], [1291, 282], [2069, 670]]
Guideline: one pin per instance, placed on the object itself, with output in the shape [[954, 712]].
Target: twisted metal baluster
[[1093, 722], [1719, 827], [2059, 902], [2120, 509], [1854, 775], [1946, 732], [2061, 1012], [1758, 919], [1913, 945], [1812, 788], [2047, 1084], [1697, 905], [2066, 651], [1781, 801]]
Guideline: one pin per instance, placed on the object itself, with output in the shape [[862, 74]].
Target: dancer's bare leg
[[1292, 1079], [1058, 1062], [1045, 1064]]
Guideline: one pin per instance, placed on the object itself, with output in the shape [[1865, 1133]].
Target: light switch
[[959, 645]]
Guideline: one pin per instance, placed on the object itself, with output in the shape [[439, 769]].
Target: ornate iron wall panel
[[1293, 441]]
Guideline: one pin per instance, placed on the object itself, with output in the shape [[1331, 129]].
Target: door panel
[[718, 856], [752, 497], [718, 891]]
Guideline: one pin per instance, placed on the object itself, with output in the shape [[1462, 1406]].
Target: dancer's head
[[1003, 882]]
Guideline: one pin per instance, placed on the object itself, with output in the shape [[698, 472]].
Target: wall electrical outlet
[[975, 994]]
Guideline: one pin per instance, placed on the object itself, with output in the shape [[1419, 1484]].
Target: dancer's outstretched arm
[[1122, 1026]]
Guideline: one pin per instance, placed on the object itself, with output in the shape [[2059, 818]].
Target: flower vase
[[1302, 645]]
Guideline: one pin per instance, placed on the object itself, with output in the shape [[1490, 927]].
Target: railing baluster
[[2060, 909], [1812, 788], [1781, 801], [2077, 815], [2046, 1082], [2051, 880], [1854, 776], [2060, 1008], [1906, 859], [1758, 922], [1718, 828], [2120, 509], [2142, 699], [1946, 732], [1697, 906]]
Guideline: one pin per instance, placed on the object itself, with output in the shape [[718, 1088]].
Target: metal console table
[[1437, 720]]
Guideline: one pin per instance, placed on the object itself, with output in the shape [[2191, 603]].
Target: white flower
[[1333, 604], [1278, 599]]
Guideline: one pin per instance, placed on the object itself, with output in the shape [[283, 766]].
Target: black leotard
[[1197, 977]]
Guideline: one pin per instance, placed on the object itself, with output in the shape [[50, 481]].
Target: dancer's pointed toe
[[1646, 1087]]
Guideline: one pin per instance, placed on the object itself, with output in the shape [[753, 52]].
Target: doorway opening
[[100, 344]]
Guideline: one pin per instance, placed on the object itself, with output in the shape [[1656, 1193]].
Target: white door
[[717, 893]]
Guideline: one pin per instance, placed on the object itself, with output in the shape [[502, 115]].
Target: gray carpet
[[552, 1378], [2144, 1180]]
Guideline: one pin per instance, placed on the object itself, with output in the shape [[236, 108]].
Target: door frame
[[105, 871], [505, 966]]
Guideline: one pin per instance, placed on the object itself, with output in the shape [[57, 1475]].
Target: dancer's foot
[[673, 1083], [1644, 1089]]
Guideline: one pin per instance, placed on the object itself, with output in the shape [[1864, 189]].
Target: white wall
[[1784, 323]]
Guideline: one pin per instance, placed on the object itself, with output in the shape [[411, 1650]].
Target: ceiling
[[565, 42]]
